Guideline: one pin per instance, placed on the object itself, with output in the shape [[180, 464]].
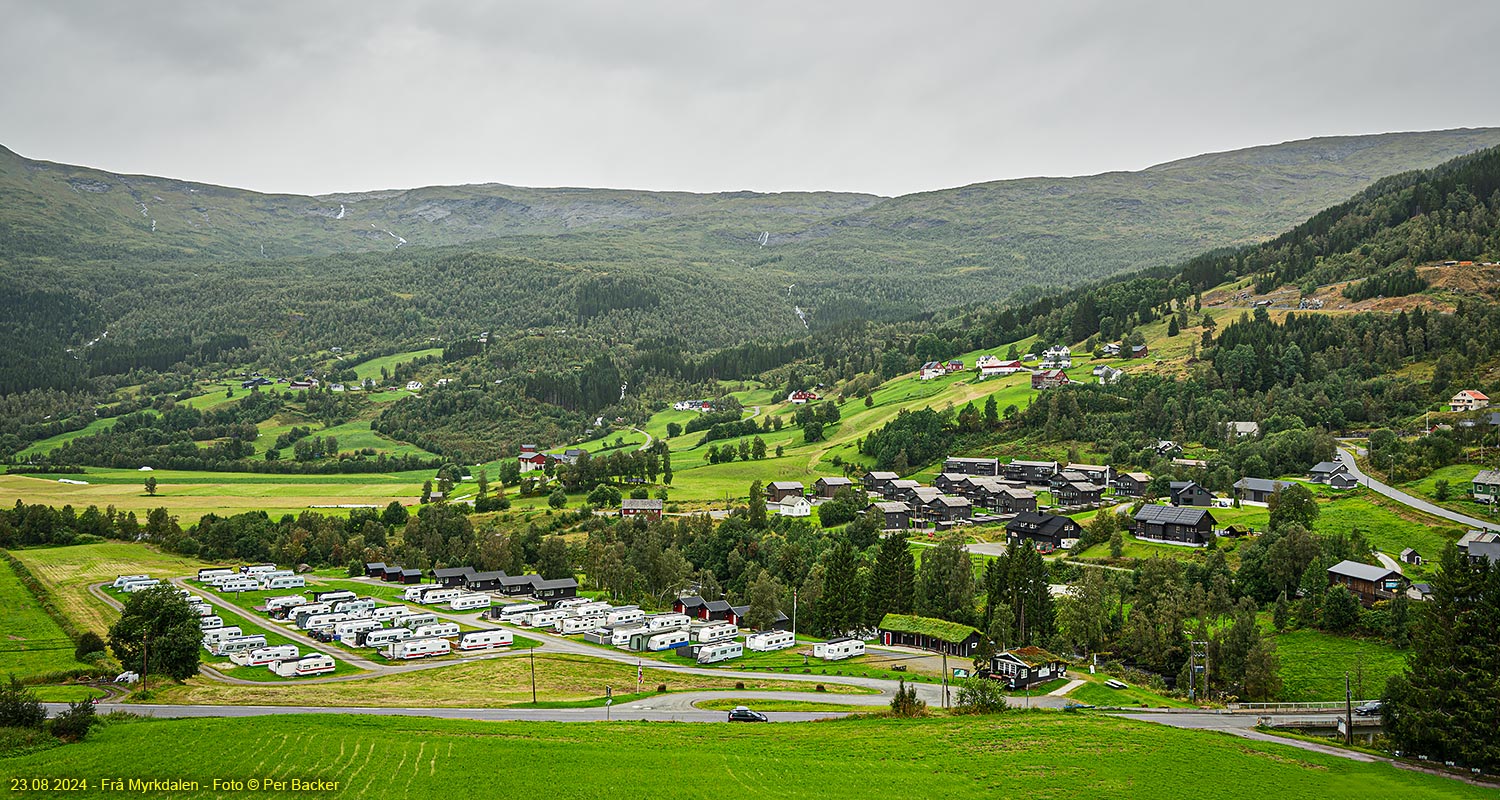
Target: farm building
[[1485, 488], [1411, 556], [1025, 667], [1049, 379], [925, 633], [646, 509]]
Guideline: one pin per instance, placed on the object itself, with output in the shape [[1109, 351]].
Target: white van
[[380, 637], [666, 641], [417, 648], [766, 641], [571, 625], [285, 582], [513, 614], [469, 602], [667, 622], [715, 632], [484, 640], [714, 653], [238, 644], [137, 586], [204, 623], [838, 649], [310, 664], [213, 636], [435, 630], [265, 655], [285, 601]]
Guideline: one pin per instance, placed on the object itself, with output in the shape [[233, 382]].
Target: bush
[[981, 696], [90, 646], [20, 741], [73, 725], [19, 707], [905, 703], [739, 684], [661, 688]]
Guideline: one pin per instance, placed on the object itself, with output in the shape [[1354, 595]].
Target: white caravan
[[766, 641], [484, 640], [265, 655], [714, 653]]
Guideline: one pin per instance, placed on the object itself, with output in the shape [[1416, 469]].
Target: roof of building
[[1487, 476], [940, 629], [452, 572], [1177, 486], [967, 460], [1262, 484], [882, 476], [1489, 550], [1017, 492], [633, 504], [836, 481], [1031, 656], [1135, 476], [1173, 515], [1473, 393], [1409, 551], [493, 575], [1476, 536], [892, 507], [1363, 572], [950, 501], [1044, 524], [1326, 467], [1018, 462], [906, 483], [556, 583], [787, 485]]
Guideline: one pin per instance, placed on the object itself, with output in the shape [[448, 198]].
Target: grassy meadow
[[31, 642], [67, 572], [1053, 755]]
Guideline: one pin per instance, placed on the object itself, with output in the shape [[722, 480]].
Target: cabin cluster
[[969, 488]]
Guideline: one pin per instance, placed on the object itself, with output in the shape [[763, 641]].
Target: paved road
[[1347, 459], [497, 714]]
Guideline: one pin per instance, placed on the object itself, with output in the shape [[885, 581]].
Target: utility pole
[[1197, 650], [1348, 714]]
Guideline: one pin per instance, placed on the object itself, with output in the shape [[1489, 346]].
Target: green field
[[1057, 756], [371, 368], [786, 705], [1313, 665], [1459, 477], [67, 572], [1094, 692], [31, 642]]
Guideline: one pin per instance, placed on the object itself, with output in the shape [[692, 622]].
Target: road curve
[[1347, 459]]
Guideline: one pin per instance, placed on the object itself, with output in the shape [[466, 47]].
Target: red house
[[649, 509], [1049, 378], [530, 459]]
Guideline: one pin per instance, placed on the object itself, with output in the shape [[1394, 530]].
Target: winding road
[[1347, 459]]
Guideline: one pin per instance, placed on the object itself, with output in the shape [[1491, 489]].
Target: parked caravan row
[[139, 585], [414, 621], [121, 580], [257, 569], [513, 613], [263, 656], [213, 572], [240, 584], [348, 630], [434, 596], [284, 582], [310, 664], [354, 605], [667, 622], [767, 641], [571, 625], [715, 632], [417, 648]]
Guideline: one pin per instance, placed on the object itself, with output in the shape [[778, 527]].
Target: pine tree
[[840, 608], [1281, 617], [892, 584], [757, 505], [765, 601]]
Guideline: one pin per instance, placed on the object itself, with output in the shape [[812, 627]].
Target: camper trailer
[[310, 664], [257, 569], [414, 621], [715, 632], [469, 602], [211, 621], [285, 582], [338, 596], [619, 635], [388, 613], [434, 596], [354, 606], [121, 580], [315, 622], [380, 637], [139, 586], [417, 648], [590, 609], [667, 622], [265, 577], [201, 609], [238, 644], [570, 625], [239, 584], [435, 629], [513, 612], [484, 640], [766, 641], [572, 602], [838, 649], [347, 630], [617, 616], [213, 636], [285, 601], [213, 572], [714, 653], [666, 641], [262, 656], [544, 619], [298, 613], [414, 593]]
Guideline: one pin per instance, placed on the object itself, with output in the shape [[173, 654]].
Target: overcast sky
[[881, 97]]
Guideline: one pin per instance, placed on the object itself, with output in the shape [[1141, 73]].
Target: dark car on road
[[743, 714], [1370, 709]]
